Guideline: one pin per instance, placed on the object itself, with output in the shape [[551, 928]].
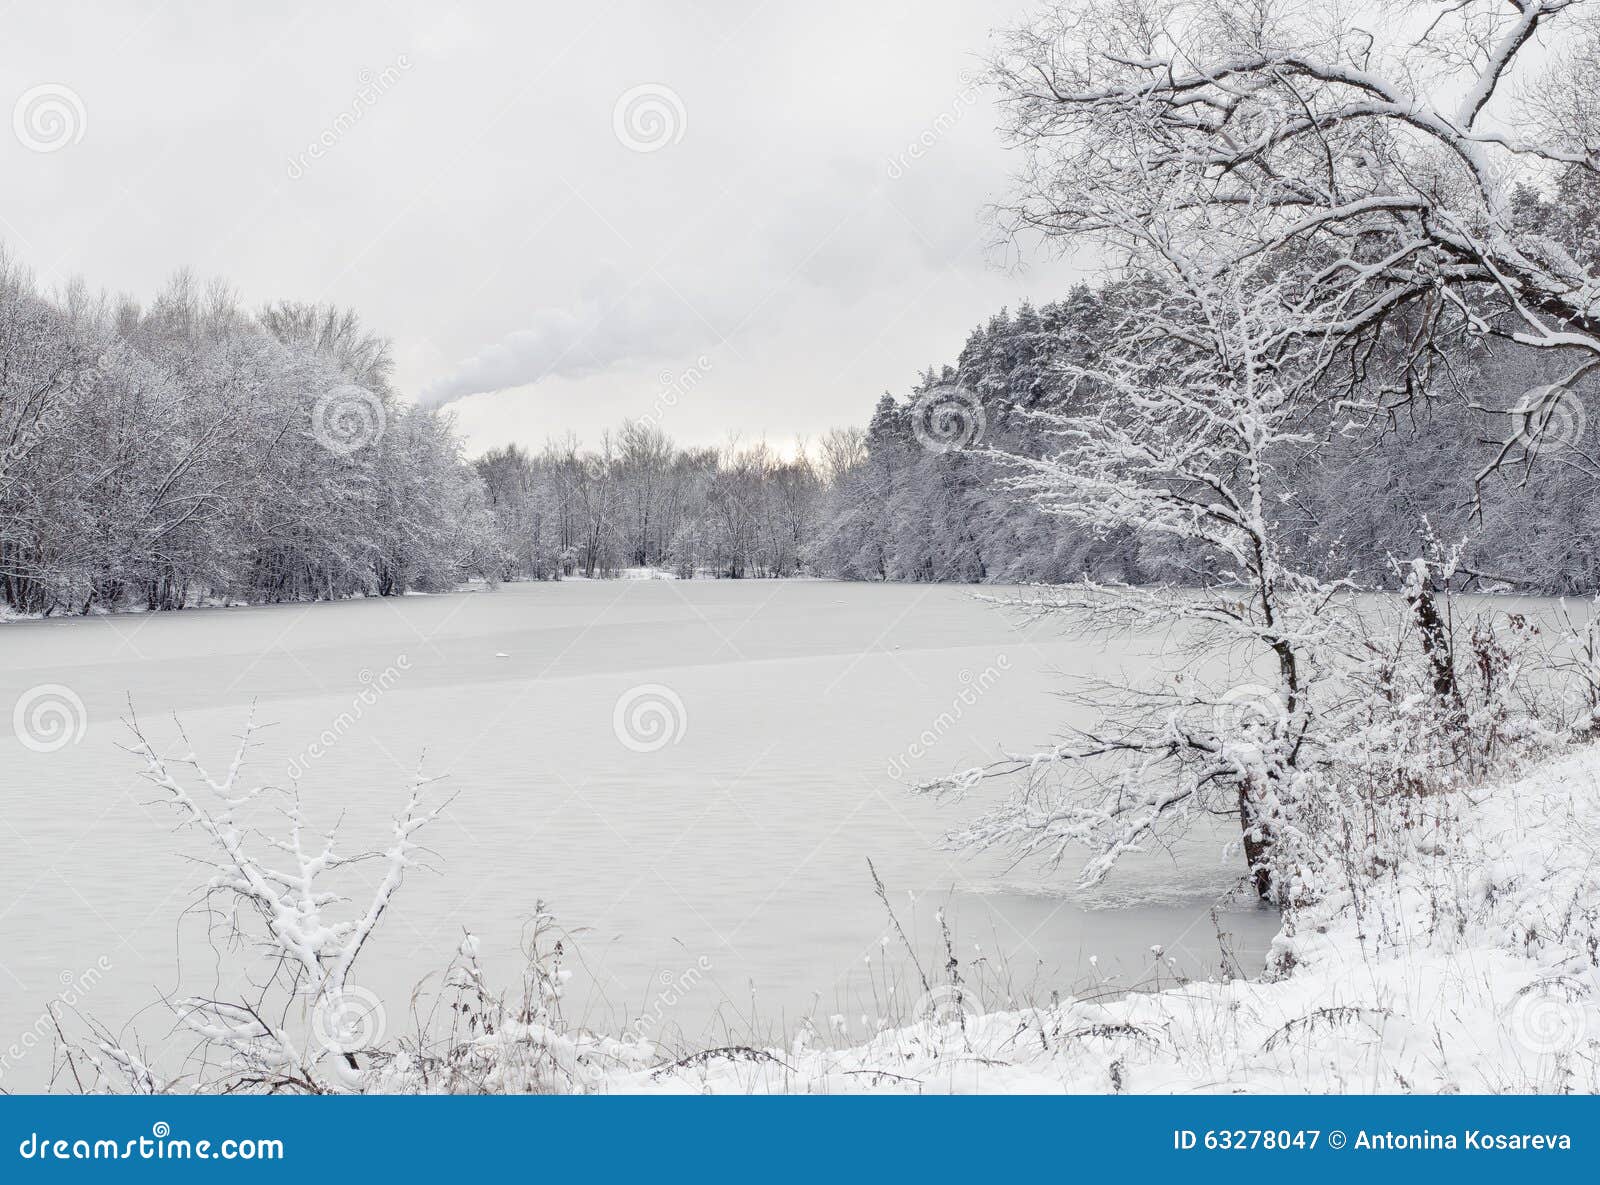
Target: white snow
[[744, 843], [1468, 967], [1471, 969]]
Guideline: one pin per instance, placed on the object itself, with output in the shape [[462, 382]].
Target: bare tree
[[1375, 160], [304, 1026], [1186, 442]]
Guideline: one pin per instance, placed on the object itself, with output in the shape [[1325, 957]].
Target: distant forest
[[192, 451], [921, 493], [156, 457]]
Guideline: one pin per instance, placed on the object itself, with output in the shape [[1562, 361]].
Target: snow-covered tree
[[1380, 158], [1190, 444], [300, 1023], [157, 456]]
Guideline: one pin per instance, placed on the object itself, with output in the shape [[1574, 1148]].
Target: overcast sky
[[545, 255]]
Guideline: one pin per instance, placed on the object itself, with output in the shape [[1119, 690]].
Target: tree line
[[189, 450], [193, 451], [920, 494], [640, 501], [924, 498]]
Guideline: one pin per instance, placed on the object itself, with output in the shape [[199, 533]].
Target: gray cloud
[[591, 335], [484, 213]]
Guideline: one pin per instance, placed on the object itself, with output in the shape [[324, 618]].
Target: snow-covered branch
[[311, 934], [1384, 179]]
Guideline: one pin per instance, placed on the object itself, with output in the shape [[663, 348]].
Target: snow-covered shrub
[[1578, 661], [299, 1021], [294, 1018], [488, 1043]]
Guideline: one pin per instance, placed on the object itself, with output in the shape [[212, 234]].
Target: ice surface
[[738, 845]]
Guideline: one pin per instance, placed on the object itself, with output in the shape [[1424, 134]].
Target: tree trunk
[[1435, 641], [1257, 844]]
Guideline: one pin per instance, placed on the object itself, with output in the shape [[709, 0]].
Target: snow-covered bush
[[488, 1043], [293, 1017], [299, 1021]]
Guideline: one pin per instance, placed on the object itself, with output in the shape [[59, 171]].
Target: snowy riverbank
[[1470, 967]]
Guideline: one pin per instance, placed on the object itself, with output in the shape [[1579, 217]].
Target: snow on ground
[[1470, 967]]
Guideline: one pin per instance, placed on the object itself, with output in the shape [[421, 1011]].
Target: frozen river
[[726, 854]]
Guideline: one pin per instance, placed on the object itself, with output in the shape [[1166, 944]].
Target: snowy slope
[[1469, 967]]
